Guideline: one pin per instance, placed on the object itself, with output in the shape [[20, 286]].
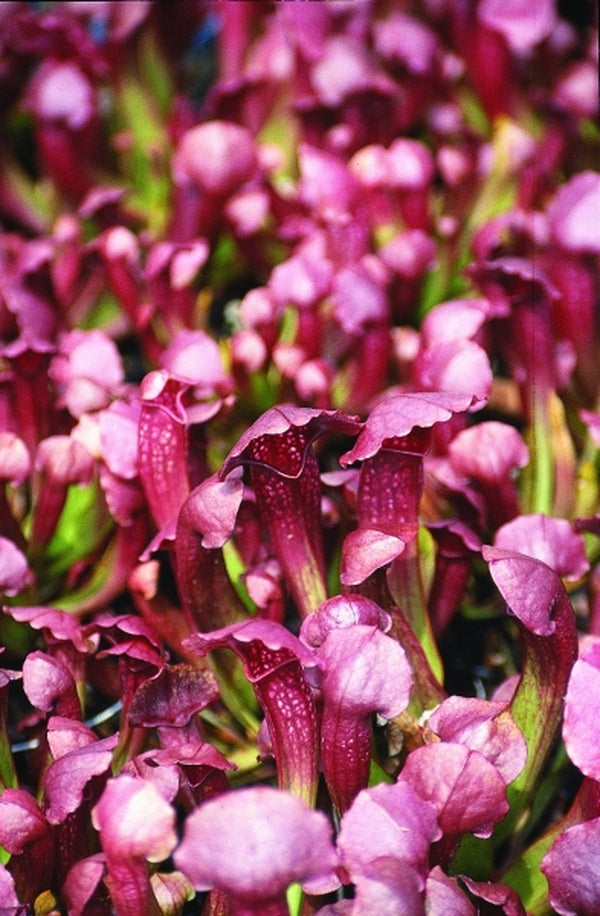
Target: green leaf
[[82, 528], [146, 154], [378, 775], [409, 580], [235, 570], [474, 858], [527, 879]]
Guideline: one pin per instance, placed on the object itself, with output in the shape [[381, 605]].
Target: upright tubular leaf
[[535, 594]]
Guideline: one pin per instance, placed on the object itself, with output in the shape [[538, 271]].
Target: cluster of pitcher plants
[[299, 458]]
